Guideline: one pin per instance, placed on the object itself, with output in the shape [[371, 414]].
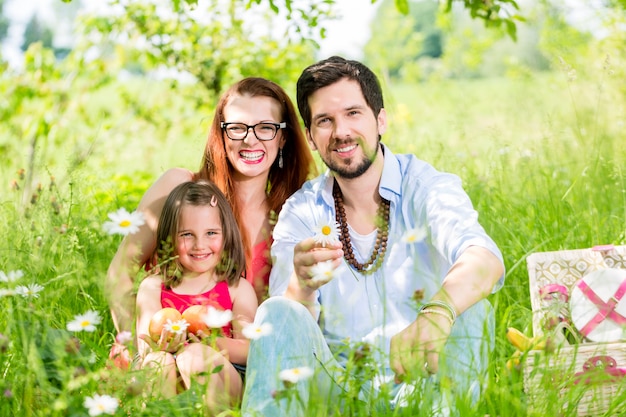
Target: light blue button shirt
[[374, 307]]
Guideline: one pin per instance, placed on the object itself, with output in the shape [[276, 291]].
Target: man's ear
[[382, 121], [310, 139]]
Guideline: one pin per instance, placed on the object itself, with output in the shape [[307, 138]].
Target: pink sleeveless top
[[217, 297], [261, 265]]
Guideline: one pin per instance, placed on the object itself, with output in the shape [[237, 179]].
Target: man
[[410, 272]]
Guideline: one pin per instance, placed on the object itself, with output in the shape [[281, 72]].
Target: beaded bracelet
[[439, 303], [438, 312]]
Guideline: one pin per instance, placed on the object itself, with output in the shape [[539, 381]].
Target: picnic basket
[[577, 376]]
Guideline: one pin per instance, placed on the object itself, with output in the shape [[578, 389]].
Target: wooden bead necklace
[[378, 254]]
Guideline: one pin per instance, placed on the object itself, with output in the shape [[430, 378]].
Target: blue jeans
[[296, 341]]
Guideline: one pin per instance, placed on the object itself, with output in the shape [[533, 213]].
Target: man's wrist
[[441, 308]]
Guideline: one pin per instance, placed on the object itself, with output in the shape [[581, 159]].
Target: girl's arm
[[244, 308]]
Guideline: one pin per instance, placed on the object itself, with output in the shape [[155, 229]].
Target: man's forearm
[[471, 278]]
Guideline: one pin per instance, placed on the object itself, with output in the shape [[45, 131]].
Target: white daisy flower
[[254, 332], [6, 292], [177, 327], [327, 233], [295, 375], [11, 276], [124, 223], [414, 235], [86, 322], [31, 290], [101, 404], [322, 271], [215, 318]]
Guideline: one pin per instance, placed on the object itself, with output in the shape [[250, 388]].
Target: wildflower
[[414, 235], [124, 223], [101, 404], [86, 322], [177, 327], [327, 233], [124, 338], [11, 276], [295, 375], [5, 292], [254, 332], [217, 318], [322, 271], [31, 290]]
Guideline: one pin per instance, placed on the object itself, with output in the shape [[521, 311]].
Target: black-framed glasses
[[262, 131]]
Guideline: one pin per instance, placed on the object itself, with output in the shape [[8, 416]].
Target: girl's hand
[[168, 341], [197, 338]]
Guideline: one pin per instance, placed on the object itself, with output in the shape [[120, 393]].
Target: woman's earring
[[280, 158]]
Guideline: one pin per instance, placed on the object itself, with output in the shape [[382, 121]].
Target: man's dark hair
[[331, 70]]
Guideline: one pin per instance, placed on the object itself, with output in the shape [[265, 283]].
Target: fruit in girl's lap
[[194, 316], [160, 318]]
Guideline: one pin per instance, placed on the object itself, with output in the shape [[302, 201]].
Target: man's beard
[[343, 170]]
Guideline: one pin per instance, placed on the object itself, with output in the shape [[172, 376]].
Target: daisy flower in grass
[[5, 292], [215, 318], [295, 375], [31, 290], [124, 223], [414, 235], [86, 322], [326, 233], [322, 271], [101, 404], [11, 276], [178, 327], [254, 332]]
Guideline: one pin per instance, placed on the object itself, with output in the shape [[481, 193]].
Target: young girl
[[201, 259]]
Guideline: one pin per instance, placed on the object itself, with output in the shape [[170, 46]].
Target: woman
[[257, 155]]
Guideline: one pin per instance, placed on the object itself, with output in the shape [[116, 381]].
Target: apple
[[194, 316], [159, 319]]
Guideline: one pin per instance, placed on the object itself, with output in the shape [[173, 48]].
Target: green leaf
[[402, 6], [511, 29]]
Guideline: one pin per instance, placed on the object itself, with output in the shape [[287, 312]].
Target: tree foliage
[[4, 22], [397, 42], [36, 31], [216, 43]]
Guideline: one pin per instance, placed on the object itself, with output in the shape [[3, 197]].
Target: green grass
[[542, 158]]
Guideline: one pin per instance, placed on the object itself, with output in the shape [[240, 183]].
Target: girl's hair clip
[[213, 201]]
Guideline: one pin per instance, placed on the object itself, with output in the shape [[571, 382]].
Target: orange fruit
[[193, 315], [160, 319]]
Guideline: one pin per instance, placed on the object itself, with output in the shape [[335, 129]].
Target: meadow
[[541, 156]]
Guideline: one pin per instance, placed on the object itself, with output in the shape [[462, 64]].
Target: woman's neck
[[254, 210], [250, 192]]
